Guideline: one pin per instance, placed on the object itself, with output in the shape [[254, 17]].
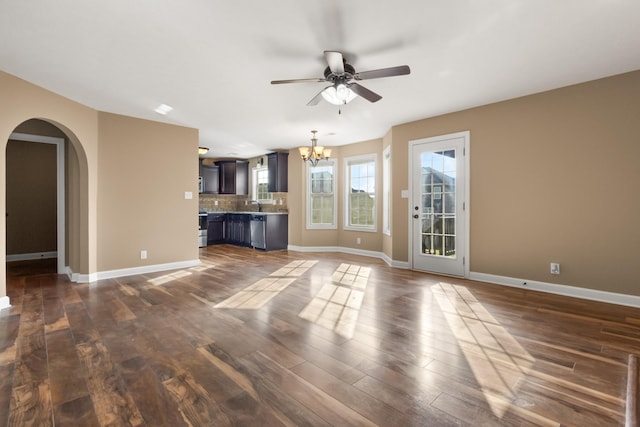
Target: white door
[[438, 204]]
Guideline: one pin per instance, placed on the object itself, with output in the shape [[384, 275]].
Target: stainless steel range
[[202, 229]]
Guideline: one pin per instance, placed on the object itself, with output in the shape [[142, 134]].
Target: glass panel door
[[437, 205]]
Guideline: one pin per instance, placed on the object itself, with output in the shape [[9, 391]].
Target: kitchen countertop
[[243, 213]]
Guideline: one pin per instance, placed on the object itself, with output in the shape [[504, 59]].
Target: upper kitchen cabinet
[[210, 177], [278, 164], [234, 176]]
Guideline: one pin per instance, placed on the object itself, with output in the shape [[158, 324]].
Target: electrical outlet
[[143, 254], [358, 240], [555, 268], [215, 202]]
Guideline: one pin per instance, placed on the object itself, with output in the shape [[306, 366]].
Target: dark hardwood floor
[[305, 339]]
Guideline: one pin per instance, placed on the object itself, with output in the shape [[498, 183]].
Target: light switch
[[188, 195], [404, 194]]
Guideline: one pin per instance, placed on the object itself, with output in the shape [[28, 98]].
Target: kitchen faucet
[[257, 203]]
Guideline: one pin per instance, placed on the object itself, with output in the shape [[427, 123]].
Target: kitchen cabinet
[[234, 176], [237, 229], [215, 228], [278, 167], [210, 175]]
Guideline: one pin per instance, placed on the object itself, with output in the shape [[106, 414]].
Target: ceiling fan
[[342, 75]]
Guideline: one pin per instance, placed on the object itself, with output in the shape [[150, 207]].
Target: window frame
[[348, 162], [254, 185], [308, 169], [386, 191]]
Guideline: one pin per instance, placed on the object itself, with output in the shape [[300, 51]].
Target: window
[[260, 184], [360, 190], [386, 191], [321, 195]]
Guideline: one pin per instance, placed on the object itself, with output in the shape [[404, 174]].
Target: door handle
[[416, 216]]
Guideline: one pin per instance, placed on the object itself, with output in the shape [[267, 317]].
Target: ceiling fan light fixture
[[202, 150], [342, 92], [339, 94]]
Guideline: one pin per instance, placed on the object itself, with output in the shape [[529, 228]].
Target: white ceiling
[[213, 60]]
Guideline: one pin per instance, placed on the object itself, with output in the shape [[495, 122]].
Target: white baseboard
[[4, 302], [79, 277], [553, 288], [340, 249], [396, 264], [35, 255], [111, 274]]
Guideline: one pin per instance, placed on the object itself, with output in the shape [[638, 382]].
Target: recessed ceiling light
[[163, 109]]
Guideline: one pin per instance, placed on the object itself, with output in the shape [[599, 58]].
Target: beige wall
[[22, 101], [31, 197], [126, 180], [554, 178], [299, 235], [145, 169], [369, 241]]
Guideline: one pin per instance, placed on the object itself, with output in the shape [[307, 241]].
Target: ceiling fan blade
[[335, 62], [365, 93], [316, 99], [316, 80], [383, 72]]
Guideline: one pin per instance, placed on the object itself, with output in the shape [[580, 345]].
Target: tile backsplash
[[234, 203]]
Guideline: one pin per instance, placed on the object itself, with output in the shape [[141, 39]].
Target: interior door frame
[[59, 143], [466, 135]]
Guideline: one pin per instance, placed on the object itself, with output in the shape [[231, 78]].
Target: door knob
[[416, 216]]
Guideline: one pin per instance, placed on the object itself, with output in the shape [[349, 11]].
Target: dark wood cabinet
[[234, 176], [215, 228], [237, 229], [278, 166], [210, 175]]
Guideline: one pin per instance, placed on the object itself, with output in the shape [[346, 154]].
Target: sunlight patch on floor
[[202, 267], [161, 280], [294, 269], [337, 305], [499, 363], [170, 277], [264, 290]]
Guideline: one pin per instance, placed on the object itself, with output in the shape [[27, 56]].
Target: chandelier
[[314, 153]]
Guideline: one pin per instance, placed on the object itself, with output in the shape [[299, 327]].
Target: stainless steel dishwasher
[[258, 224]]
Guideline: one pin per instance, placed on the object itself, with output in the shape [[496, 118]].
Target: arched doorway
[[37, 209]]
